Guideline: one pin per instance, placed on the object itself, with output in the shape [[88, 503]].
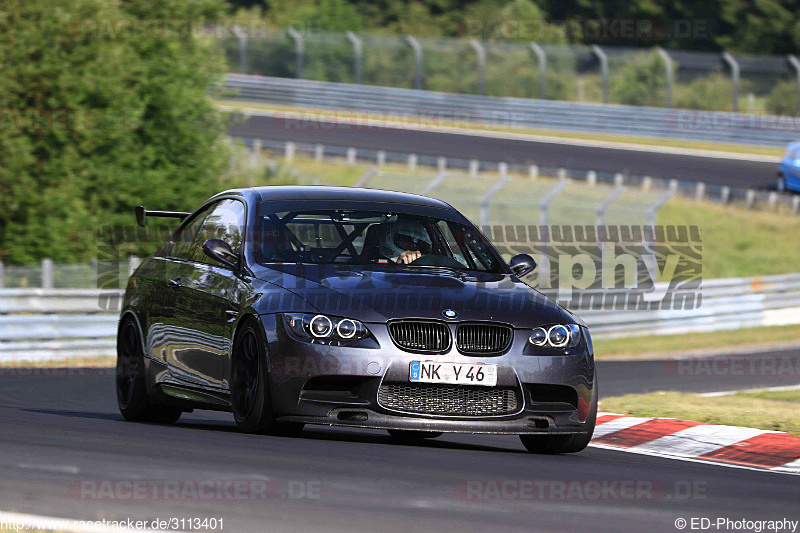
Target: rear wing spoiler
[[142, 213]]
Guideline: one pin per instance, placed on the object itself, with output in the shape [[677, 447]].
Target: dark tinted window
[[183, 241], [224, 222]]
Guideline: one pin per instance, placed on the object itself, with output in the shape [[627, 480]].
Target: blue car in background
[[789, 172]]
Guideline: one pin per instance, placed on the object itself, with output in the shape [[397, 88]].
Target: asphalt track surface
[[734, 173], [62, 439]]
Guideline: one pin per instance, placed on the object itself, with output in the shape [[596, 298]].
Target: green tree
[[105, 108]]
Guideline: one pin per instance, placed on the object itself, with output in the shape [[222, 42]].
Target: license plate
[[455, 373]]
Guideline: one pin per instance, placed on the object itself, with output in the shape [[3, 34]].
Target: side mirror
[[522, 264], [221, 251]]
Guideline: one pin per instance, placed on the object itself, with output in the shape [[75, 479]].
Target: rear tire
[[131, 385], [251, 400], [410, 435]]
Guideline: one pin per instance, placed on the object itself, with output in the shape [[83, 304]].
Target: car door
[[208, 299]]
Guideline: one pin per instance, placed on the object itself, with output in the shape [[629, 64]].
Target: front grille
[[453, 400], [483, 338], [420, 336]]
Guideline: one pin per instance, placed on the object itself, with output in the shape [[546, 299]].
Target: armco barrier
[[42, 324], [518, 112]]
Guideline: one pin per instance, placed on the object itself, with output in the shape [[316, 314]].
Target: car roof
[[321, 192]]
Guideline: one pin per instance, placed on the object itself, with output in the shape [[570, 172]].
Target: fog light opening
[[539, 423], [352, 416]]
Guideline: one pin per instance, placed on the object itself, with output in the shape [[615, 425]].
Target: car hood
[[378, 295]]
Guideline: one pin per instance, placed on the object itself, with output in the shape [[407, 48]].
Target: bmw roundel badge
[[449, 313]]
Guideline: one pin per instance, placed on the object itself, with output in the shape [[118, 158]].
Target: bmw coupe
[[350, 307]]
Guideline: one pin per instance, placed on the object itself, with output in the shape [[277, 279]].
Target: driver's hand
[[408, 256]]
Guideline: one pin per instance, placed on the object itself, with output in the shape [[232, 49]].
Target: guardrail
[[518, 112], [44, 324]]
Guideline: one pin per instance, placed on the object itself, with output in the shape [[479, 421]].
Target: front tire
[[251, 399], [132, 399]]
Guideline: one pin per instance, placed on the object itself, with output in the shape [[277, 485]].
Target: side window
[[224, 222], [182, 241]]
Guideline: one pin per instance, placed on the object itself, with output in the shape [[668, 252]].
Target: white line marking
[[764, 389], [63, 469], [361, 121], [699, 440], [618, 424], [789, 468]]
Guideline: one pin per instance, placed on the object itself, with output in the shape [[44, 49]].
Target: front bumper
[[338, 386]]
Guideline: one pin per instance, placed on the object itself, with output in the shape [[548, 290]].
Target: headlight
[[308, 326], [556, 336]]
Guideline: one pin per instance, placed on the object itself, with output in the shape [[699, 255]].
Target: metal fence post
[[441, 164], [356, 55], [255, 153], [299, 48], [700, 191], [795, 63], [541, 56], [473, 168], [533, 171], [351, 156], [734, 66], [725, 194], [380, 158], [669, 68], [604, 205], [435, 182], [319, 152], [591, 178], [47, 273], [481, 52], [750, 196], [414, 44], [487, 199], [544, 205], [653, 211], [603, 59], [412, 162], [288, 152], [242, 36]]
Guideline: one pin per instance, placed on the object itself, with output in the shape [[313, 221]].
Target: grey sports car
[[350, 307]]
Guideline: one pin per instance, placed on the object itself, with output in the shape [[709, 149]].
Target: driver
[[405, 241]]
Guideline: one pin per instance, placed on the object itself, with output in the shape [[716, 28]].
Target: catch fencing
[[513, 66], [43, 324]]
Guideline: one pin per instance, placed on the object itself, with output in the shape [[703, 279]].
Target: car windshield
[[340, 236]]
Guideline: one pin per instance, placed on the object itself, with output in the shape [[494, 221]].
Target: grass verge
[[736, 410], [395, 119], [739, 242], [667, 346], [102, 361]]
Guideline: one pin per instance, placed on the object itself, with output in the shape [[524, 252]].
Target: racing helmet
[[398, 237]]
